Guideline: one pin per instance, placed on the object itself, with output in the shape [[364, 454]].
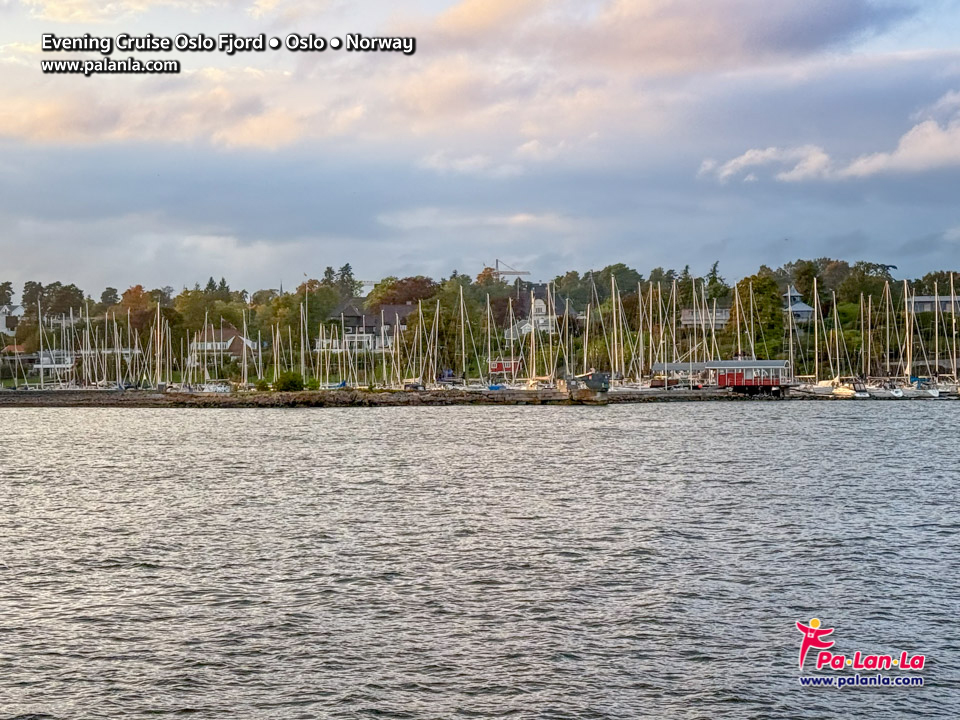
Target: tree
[[61, 299], [571, 285], [939, 280], [109, 297], [487, 276], [329, 276], [346, 283], [32, 294], [804, 273], [136, 299], [717, 288], [6, 293], [627, 279], [767, 320], [664, 277], [381, 293], [162, 296], [262, 297], [864, 278], [391, 291], [211, 288], [833, 272]]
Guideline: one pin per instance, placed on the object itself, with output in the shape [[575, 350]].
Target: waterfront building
[[793, 303]]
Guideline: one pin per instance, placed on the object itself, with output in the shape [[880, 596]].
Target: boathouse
[[751, 375]]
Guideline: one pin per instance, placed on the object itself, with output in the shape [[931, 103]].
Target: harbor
[[653, 342]]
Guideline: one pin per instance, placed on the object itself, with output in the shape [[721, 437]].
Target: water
[[614, 562]]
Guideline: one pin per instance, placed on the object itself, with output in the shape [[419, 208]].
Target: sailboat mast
[[816, 333], [953, 329], [936, 329], [908, 321]]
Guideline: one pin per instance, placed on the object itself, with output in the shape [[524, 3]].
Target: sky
[[551, 134]]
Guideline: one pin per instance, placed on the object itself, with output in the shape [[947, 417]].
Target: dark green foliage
[[109, 297], [289, 382]]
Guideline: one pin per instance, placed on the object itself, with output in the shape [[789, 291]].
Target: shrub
[[289, 382]]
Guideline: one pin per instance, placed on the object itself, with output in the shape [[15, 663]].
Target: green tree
[[6, 293], [109, 297], [804, 273], [864, 278], [347, 284], [717, 288], [767, 317], [626, 277], [938, 280], [61, 299]]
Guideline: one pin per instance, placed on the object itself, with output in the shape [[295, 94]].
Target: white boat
[[915, 393], [884, 392], [849, 388]]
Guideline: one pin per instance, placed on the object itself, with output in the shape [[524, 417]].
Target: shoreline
[[368, 398]]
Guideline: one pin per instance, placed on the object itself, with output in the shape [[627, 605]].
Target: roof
[[214, 333], [934, 298], [13, 349], [737, 364], [800, 306], [356, 308], [679, 367]]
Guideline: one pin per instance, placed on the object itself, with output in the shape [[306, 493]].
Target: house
[[926, 303], [10, 317], [367, 331], [222, 340], [793, 303], [547, 313], [715, 319]]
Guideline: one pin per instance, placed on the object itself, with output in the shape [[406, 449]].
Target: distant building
[[222, 341], [547, 312], [367, 331], [10, 317], [691, 317], [926, 303], [793, 302]]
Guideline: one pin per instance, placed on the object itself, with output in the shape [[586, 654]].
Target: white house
[[9, 317], [793, 302]]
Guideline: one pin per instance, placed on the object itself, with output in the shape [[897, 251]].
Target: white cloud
[[801, 163], [929, 145], [540, 152], [477, 164]]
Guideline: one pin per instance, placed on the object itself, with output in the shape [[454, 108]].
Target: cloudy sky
[[551, 134]]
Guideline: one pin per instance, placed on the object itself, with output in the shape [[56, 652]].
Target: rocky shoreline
[[343, 398]]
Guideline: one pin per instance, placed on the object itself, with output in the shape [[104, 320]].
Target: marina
[[622, 347]]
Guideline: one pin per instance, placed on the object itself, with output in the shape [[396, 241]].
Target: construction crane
[[499, 274]]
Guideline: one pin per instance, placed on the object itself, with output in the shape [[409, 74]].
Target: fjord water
[[545, 562]]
